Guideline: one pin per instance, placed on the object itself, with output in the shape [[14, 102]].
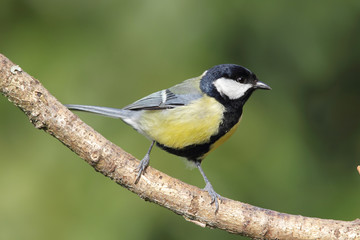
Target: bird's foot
[[144, 163], [215, 197], [140, 169]]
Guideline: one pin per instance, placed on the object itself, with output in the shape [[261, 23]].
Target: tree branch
[[47, 113]]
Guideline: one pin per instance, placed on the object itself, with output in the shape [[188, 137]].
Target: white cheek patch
[[230, 88]]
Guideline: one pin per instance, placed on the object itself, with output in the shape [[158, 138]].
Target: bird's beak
[[261, 85]]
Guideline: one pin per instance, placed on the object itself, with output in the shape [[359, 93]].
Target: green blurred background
[[296, 150]]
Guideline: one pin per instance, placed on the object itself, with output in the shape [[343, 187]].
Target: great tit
[[192, 118]]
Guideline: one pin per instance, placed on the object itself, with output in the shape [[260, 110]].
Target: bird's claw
[[215, 197], [144, 163]]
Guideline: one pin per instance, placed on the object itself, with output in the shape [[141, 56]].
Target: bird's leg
[[144, 163], [209, 188]]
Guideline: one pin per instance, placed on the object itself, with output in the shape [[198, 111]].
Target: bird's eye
[[240, 80]]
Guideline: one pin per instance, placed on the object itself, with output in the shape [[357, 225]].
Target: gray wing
[[179, 95]]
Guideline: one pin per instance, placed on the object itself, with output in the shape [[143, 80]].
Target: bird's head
[[230, 83]]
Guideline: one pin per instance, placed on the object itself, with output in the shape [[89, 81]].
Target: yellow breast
[[185, 125]]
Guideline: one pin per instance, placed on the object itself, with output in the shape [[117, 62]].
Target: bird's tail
[[105, 111]]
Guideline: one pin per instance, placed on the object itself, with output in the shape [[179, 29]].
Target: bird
[[190, 119]]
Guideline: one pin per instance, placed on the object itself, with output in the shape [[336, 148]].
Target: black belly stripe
[[191, 152]]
